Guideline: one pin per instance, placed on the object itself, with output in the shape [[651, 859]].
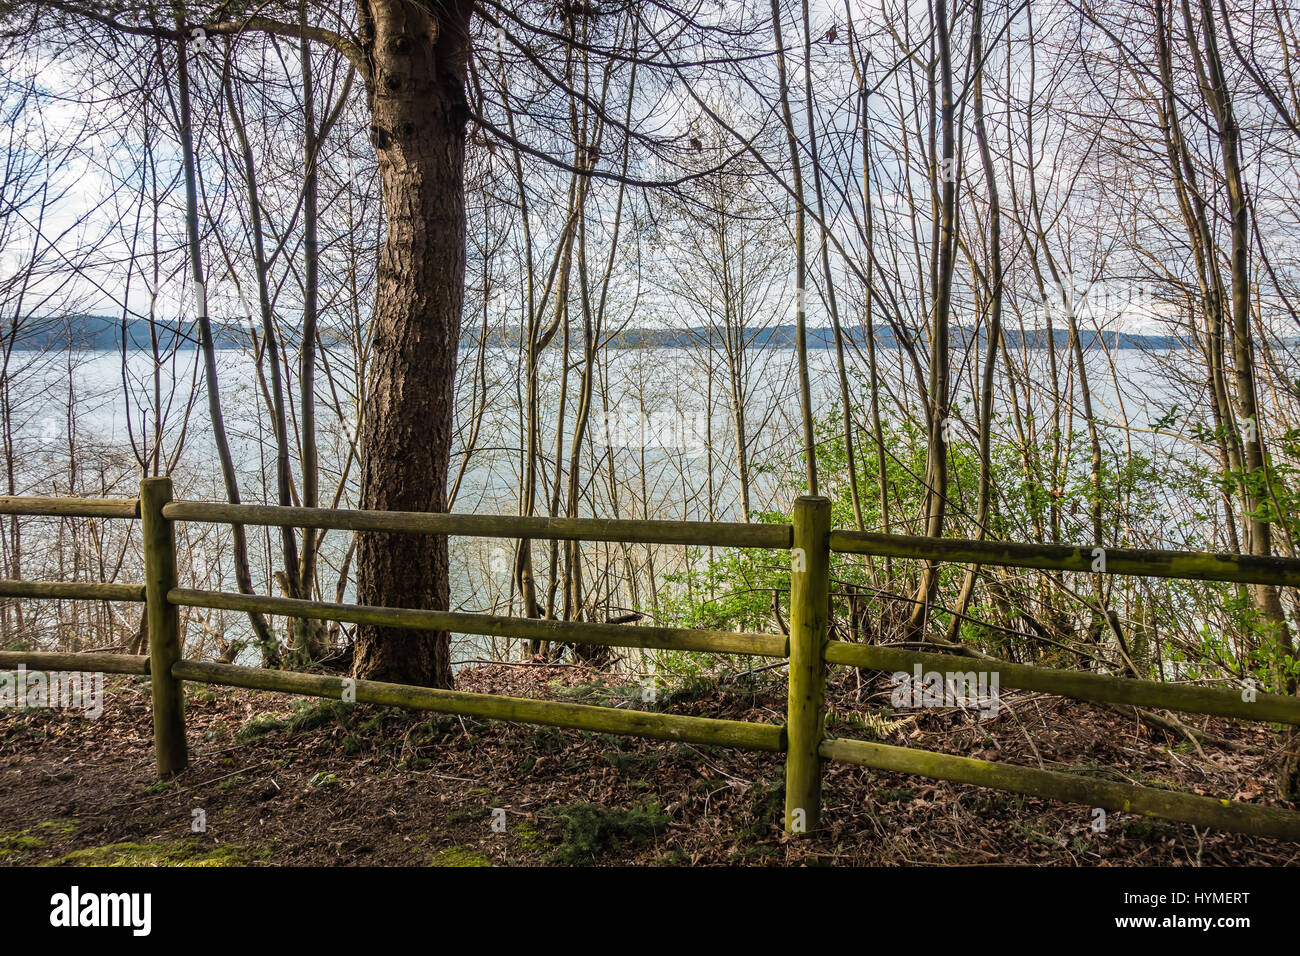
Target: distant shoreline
[[103, 333]]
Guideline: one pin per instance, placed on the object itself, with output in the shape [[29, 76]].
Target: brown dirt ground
[[375, 786]]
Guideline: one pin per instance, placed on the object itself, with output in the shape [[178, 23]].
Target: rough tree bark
[[418, 56]]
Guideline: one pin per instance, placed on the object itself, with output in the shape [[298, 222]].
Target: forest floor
[[284, 781]]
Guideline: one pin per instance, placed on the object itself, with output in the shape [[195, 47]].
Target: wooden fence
[[810, 542]]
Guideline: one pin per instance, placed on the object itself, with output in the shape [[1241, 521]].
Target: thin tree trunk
[[243, 574], [936, 478], [993, 336], [801, 256]]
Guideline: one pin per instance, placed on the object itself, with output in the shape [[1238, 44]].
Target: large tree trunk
[[417, 96]]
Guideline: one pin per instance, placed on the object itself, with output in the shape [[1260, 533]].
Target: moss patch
[[57, 827], [15, 846], [310, 716], [530, 838], [20, 843], [179, 853], [260, 727], [459, 856]]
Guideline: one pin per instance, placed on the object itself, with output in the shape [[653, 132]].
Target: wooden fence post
[[809, 621], [164, 627]]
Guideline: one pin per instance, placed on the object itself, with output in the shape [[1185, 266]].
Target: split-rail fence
[[809, 541]]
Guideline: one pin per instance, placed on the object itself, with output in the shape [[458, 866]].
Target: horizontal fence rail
[[566, 632], [701, 533], [87, 663], [1070, 788], [802, 739], [1186, 565], [70, 507], [1100, 688], [72, 590], [608, 720]]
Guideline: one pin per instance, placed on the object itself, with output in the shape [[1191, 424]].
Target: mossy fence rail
[[809, 541]]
